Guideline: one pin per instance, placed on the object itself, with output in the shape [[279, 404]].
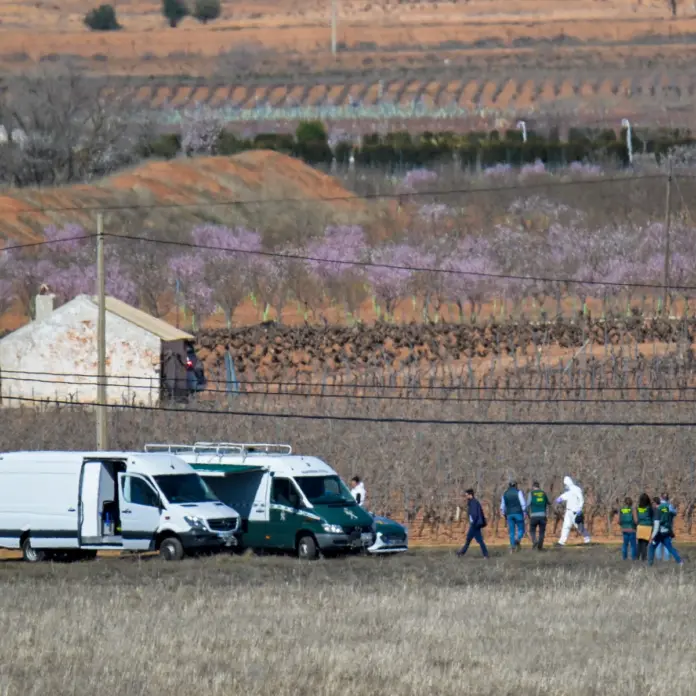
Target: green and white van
[[288, 502]]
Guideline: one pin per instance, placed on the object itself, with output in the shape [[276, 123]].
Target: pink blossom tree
[[389, 285], [333, 262], [231, 263], [188, 273]]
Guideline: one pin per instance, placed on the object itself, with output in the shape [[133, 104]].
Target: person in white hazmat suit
[[574, 501]]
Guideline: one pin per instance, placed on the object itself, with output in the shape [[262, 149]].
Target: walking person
[[477, 521], [513, 506], [644, 519], [663, 533], [661, 552], [358, 492], [628, 523], [573, 518], [537, 511]]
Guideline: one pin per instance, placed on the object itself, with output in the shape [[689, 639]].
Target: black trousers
[[537, 523], [643, 549]]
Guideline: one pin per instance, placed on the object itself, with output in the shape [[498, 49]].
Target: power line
[[381, 387], [335, 199], [46, 242], [362, 419], [395, 267], [369, 397]]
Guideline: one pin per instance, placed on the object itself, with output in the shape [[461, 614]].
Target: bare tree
[[69, 127]]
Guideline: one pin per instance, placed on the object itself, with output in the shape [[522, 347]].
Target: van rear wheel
[[307, 548], [171, 549], [30, 554]]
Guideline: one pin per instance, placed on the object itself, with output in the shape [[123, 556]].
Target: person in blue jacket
[[477, 521]]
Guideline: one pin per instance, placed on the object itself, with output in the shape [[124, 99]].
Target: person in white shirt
[[574, 500], [358, 492]]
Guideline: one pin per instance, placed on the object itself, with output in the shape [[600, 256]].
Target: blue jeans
[[515, 522], [666, 541], [661, 553], [629, 539], [474, 534]]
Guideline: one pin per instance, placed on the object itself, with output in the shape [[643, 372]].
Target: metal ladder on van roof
[[222, 448]]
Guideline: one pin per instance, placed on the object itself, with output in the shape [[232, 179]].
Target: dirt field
[[290, 38], [573, 622]]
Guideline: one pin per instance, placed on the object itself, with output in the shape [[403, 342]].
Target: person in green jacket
[[537, 509], [644, 518], [628, 524], [663, 532]]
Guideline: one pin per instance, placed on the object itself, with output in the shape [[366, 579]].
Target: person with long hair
[[644, 518]]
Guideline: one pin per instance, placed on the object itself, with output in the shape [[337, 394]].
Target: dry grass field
[[571, 623]]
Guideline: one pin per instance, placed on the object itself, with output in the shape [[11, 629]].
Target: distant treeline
[[402, 149]]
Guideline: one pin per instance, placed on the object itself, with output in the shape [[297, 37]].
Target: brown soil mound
[[209, 185]]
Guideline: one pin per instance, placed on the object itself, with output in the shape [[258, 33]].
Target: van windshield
[[185, 488], [325, 490]]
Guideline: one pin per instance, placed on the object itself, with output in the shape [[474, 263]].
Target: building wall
[[66, 344]]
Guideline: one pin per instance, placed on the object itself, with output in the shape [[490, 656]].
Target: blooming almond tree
[[201, 127], [333, 262], [389, 285], [231, 263], [188, 273]]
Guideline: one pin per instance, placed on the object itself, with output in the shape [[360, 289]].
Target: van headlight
[[332, 528], [195, 522]]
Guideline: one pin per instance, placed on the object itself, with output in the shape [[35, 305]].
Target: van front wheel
[[30, 554], [307, 548], [171, 549]]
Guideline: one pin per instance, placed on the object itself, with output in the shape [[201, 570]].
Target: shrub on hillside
[[102, 18], [174, 11], [206, 10]]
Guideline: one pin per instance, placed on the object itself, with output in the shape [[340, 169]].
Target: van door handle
[[126, 512], [71, 509]]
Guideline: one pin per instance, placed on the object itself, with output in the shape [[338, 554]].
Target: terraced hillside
[[422, 96]]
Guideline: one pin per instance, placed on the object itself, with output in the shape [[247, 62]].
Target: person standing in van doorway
[[537, 511], [627, 522], [513, 506], [358, 492], [645, 518], [477, 521]]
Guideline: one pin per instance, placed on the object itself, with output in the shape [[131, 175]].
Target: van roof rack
[[242, 448], [169, 448], [221, 448]]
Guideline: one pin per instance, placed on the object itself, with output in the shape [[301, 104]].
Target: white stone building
[[55, 356]]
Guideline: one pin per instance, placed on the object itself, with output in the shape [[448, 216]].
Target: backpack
[[485, 521]]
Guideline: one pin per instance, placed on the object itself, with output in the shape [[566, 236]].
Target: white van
[[74, 504]]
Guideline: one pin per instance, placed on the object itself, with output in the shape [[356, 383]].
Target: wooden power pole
[[668, 219], [101, 338], [334, 21]]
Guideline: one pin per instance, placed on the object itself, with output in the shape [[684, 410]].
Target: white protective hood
[[572, 496]]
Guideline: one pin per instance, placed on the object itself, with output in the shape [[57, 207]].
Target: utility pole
[[101, 337], [668, 217], [334, 21]]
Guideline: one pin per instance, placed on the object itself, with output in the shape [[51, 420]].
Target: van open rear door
[[140, 512]]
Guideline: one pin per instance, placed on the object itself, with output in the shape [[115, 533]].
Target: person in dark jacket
[[513, 507], [477, 521], [628, 524], [663, 532], [537, 511], [644, 517]]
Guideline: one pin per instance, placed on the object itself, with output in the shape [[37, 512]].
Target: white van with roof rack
[[74, 504], [288, 502]]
